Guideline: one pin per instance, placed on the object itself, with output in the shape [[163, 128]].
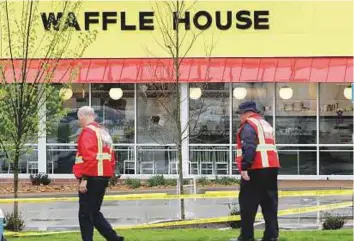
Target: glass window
[[67, 129], [261, 93], [293, 161], [296, 113], [209, 113], [156, 113], [297, 161], [209, 160], [126, 160], [114, 107], [28, 162], [336, 115], [60, 159], [336, 161], [157, 160]]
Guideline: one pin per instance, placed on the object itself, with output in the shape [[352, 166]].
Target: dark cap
[[247, 106]]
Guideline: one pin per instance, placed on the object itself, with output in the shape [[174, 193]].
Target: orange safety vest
[[266, 152], [99, 159]]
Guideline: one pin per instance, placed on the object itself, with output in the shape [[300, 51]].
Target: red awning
[[200, 70]]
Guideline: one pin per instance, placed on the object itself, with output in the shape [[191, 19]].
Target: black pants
[[262, 190], [89, 211]]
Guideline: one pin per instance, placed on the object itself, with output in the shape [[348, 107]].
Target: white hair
[[86, 111]]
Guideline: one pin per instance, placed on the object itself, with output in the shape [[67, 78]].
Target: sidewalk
[[283, 185]]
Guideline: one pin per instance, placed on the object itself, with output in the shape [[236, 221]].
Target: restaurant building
[[295, 59]]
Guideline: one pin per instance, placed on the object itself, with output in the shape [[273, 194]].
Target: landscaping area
[[42, 184], [201, 235]]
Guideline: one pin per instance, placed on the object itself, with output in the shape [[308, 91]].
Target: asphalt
[[63, 215]]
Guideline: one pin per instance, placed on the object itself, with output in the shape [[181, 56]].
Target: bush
[[333, 222], [45, 180], [12, 222], [171, 182], [114, 180], [226, 181], [35, 179], [133, 183], [155, 181], [203, 181], [234, 211], [38, 179]]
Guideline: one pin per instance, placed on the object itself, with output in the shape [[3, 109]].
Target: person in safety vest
[[94, 166], [258, 162]]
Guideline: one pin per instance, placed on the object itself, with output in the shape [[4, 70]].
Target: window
[[261, 93], [297, 160], [209, 114], [67, 129], [156, 113], [336, 115], [114, 107], [296, 113], [336, 161]]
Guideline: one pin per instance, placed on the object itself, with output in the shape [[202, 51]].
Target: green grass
[[202, 235]]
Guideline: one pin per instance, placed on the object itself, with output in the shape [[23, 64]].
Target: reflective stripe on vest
[[78, 160], [260, 148], [261, 139], [100, 154]]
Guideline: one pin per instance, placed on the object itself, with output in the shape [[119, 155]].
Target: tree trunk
[[176, 62], [180, 176], [15, 212]]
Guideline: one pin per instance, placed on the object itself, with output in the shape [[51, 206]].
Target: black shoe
[[271, 239], [120, 238]]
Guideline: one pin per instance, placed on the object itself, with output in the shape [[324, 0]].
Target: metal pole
[[298, 162]]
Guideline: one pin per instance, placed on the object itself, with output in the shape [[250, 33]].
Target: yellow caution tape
[[285, 212], [161, 196], [289, 193], [238, 217]]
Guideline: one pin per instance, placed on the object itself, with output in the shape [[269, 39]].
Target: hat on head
[[247, 106]]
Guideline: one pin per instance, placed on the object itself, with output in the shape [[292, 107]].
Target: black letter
[[258, 19], [106, 21], [47, 22], [143, 21], [124, 23], [207, 24], [245, 19], [88, 21], [186, 20], [228, 21], [71, 21]]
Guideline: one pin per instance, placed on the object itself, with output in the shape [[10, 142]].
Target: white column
[[135, 128], [42, 138], [184, 114], [318, 113], [231, 160]]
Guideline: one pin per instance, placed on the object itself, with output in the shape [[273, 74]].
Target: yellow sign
[[133, 29]]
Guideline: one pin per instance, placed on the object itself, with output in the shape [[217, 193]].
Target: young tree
[[177, 42], [33, 43]]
